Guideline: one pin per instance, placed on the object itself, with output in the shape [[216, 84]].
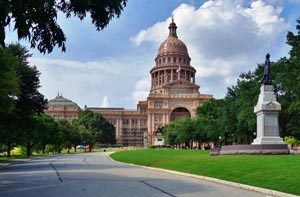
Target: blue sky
[[111, 67]]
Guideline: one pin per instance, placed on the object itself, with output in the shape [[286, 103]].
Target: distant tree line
[[232, 120], [22, 121]]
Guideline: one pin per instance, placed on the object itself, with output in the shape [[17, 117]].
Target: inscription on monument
[[271, 125]]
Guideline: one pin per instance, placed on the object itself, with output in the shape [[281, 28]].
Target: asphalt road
[[93, 174]]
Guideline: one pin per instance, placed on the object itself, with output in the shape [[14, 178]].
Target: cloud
[[105, 102], [224, 38], [85, 82], [142, 88]]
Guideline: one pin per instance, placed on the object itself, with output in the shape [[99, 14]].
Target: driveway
[[94, 174]]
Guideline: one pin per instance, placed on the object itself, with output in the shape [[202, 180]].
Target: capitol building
[[173, 95]]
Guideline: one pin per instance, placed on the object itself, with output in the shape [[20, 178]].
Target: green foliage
[[233, 119], [277, 172], [210, 116], [291, 140], [23, 101], [179, 131], [36, 21], [8, 81], [184, 131], [95, 128]]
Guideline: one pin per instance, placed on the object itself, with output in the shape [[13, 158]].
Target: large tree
[[36, 21], [29, 101], [9, 89], [287, 81], [100, 130]]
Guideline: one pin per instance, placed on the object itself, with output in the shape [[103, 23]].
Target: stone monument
[[266, 110], [267, 140]]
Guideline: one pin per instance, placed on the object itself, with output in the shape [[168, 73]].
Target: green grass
[[277, 172]]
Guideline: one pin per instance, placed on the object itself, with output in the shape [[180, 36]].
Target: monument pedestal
[[268, 140], [266, 110]]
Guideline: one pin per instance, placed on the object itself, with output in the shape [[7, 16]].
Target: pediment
[[181, 83]]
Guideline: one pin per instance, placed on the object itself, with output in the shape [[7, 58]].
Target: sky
[[110, 68]]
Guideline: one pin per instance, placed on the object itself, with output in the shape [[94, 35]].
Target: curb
[[4, 165], [18, 161], [12, 162], [215, 180]]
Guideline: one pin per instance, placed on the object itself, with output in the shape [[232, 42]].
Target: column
[[171, 75], [194, 78], [165, 77]]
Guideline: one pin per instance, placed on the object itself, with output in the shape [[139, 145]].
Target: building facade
[[173, 95], [130, 125], [61, 108]]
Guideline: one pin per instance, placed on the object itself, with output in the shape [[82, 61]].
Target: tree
[[100, 130], [70, 136], [29, 101], [37, 20], [210, 116], [179, 132], [287, 83], [9, 89], [44, 132], [8, 81]]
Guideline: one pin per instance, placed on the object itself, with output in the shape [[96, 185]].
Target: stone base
[[255, 149], [268, 140]]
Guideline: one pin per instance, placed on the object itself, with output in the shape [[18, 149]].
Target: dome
[[60, 101], [172, 44]]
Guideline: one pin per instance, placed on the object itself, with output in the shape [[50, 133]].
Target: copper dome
[[172, 45]]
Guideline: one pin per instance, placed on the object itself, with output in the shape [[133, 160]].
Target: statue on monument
[[267, 71]]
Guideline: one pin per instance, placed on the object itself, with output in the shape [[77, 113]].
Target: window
[[164, 60], [169, 59], [174, 59]]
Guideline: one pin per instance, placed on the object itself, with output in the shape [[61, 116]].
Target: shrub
[[290, 140]]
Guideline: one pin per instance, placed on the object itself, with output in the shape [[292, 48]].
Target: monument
[[266, 110], [267, 140]]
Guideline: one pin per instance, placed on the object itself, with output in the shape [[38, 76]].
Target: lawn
[[277, 172]]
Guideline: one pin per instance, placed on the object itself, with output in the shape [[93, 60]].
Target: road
[[94, 174]]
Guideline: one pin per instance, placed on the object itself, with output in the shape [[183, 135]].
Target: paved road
[[93, 174]]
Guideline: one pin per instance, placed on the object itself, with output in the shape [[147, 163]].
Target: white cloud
[[84, 82], [142, 88], [105, 102], [224, 38]]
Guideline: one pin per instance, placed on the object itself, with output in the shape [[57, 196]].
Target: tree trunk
[[75, 149], [43, 149], [28, 149], [8, 149], [199, 145]]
